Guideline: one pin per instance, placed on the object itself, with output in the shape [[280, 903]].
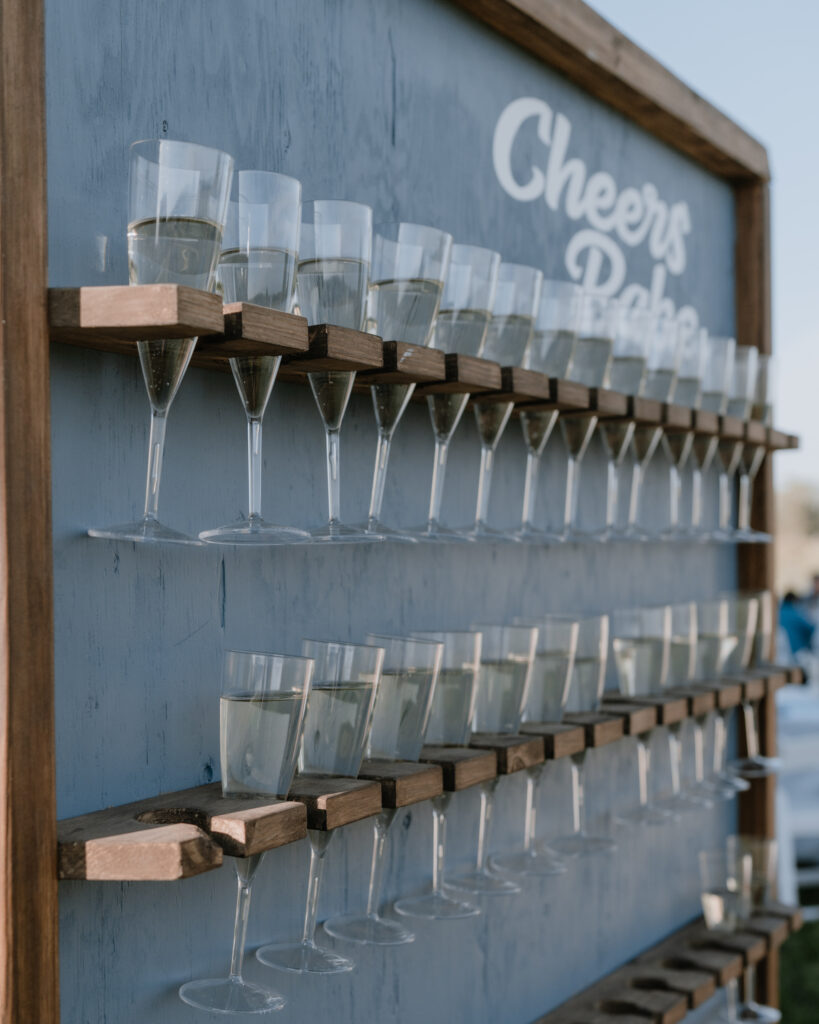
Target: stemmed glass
[[753, 455], [407, 279], [336, 728], [507, 658], [730, 451], [725, 879], [461, 326], [510, 332], [400, 717], [763, 854], [264, 697], [177, 204], [586, 690], [450, 722], [590, 365], [549, 352], [332, 283], [546, 702], [641, 642], [258, 265]]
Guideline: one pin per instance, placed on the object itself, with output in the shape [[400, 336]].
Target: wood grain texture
[[462, 767], [514, 753], [332, 801], [164, 853], [678, 417], [465, 375], [696, 985], [727, 693], [406, 364], [28, 877], [700, 702], [638, 717], [600, 729], [523, 386], [560, 739], [250, 330], [750, 947], [752, 683], [335, 348], [670, 708], [723, 964], [607, 403], [403, 782]]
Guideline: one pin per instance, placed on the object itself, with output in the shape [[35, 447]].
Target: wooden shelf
[[332, 801], [669, 707], [465, 375], [523, 386], [514, 753], [600, 729], [335, 348], [560, 739], [406, 364], [638, 716], [700, 702], [678, 417], [404, 782], [727, 693], [461, 766]]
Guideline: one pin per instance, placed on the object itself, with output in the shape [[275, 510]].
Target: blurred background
[[756, 61]]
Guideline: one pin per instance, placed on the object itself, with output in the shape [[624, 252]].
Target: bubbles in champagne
[[333, 291], [461, 330], [507, 339]]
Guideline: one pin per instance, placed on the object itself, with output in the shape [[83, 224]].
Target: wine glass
[[407, 279], [628, 371], [507, 658], [450, 722], [258, 265], [725, 880], [545, 702], [730, 451], [763, 854], [177, 204], [549, 352], [461, 326], [585, 692], [753, 455], [641, 642], [400, 717], [510, 332], [262, 707], [332, 283], [590, 365], [336, 728]]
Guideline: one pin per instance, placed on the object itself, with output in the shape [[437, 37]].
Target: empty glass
[[336, 728], [507, 657], [258, 265], [753, 455], [461, 326], [406, 281], [453, 705], [718, 368], [332, 283], [754, 765], [400, 717], [729, 450], [585, 693], [260, 724], [177, 204]]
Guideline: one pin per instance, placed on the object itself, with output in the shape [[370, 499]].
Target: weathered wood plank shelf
[[114, 317], [404, 782], [461, 766], [560, 739], [514, 753]]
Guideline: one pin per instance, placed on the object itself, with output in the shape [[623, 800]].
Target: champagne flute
[[729, 450], [507, 658], [510, 332], [725, 880], [763, 854], [400, 717], [753, 455], [332, 282], [264, 697], [407, 278], [585, 693], [549, 352], [719, 368], [590, 365], [461, 326], [641, 642], [258, 265], [177, 205], [336, 728], [545, 702], [453, 706]]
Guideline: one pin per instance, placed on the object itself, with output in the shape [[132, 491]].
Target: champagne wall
[[397, 104]]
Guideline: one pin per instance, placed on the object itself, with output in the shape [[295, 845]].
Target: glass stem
[[744, 503], [699, 751], [634, 497], [732, 1000], [254, 468], [751, 734], [578, 794], [530, 489], [156, 449], [381, 828], [439, 808], [319, 841], [436, 493], [612, 492], [485, 823], [642, 769], [724, 501], [533, 779], [675, 758], [333, 475], [696, 498], [245, 871], [484, 485], [382, 458], [674, 491], [572, 489]]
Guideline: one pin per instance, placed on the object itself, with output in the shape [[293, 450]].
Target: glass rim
[[267, 654], [411, 224], [145, 143], [266, 174], [311, 203], [478, 250], [445, 632], [515, 267], [404, 639]]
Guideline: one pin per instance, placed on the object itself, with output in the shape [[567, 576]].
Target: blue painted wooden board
[[394, 104]]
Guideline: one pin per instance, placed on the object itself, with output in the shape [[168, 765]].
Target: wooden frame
[[567, 35]]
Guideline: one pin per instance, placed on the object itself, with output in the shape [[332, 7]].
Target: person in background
[[797, 625]]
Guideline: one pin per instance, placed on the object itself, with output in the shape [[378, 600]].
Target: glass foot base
[[368, 930], [303, 958], [755, 767], [529, 535], [482, 883], [376, 529], [646, 814], [534, 862], [489, 535], [716, 791], [754, 1012], [728, 778], [224, 995], [582, 845], [637, 534], [435, 906], [255, 531], [752, 537], [438, 534], [338, 533], [722, 536], [143, 531], [686, 803]]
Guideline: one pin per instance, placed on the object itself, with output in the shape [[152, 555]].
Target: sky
[[756, 61]]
